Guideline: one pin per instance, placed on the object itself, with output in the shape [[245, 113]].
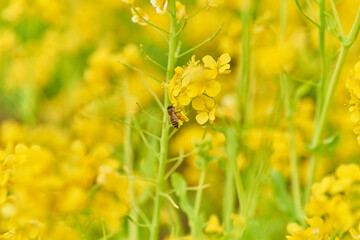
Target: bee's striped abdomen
[[173, 117], [174, 122]]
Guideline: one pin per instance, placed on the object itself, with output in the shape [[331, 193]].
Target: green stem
[[196, 231], [295, 185], [200, 44], [232, 150], [244, 78], [337, 18], [128, 160], [319, 125], [228, 198], [322, 84], [147, 21], [139, 71], [330, 89], [154, 235], [283, 17]]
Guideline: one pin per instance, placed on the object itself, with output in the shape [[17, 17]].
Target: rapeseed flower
[[195, 84], [353, 86], [215, 3], [139, 16], [180, 10], [160, 5], [205, 107], [213, 68], [128, 1], [333, 206], [213, 225]]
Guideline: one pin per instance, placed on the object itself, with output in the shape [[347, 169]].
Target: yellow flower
[[353, 85], [355, 234], [213, 225], [354, 107], [136, 17], [350, 171], [161, 5], [205, 107], [352, 82], [180, 10], [212, 68], [215, 3], [297, 233], [318, 227], [128, 1]]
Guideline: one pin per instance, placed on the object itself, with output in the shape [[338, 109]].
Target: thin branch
[[148, 114], [305, 14], [139, 224], [139, 71], [181, 28], [178, 48], [147, 57], [137, 128], [142, 215], [148, 22], [170, 200], [148, 144], [184, 156], [191, 188], [201, 44], [311, 82], [173, 132], [337, 18], [176, 165], [196, 13], [153, 94]]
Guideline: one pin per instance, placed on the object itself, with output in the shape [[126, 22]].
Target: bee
[[174, 119]]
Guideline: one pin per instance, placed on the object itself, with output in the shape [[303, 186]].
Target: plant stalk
[[164, 141], [320, 122]]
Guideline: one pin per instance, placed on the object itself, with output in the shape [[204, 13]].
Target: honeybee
[[174, 119]]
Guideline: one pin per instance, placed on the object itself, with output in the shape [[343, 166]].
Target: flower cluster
[[353, 85], [195, 84], [42, 187], [333, 208]]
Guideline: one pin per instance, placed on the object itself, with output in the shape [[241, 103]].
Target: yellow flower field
[[165, 119]]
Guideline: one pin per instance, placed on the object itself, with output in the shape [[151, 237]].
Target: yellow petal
[[186, 81], [213, 88], [357, 130], [176, 90], [209, 62], [184, 99], [209, 102], [212, 115], [202, 118], [192, 90], [210, 73], [223, 68], [198, 103], [183, 117], [224, 59], [213, 224], [355, 116]]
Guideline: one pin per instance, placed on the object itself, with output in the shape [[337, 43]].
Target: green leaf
[[281, 194], [203, 157], [331, 24], [331, 142], [302, 91], [327, 145], [179, 183]]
